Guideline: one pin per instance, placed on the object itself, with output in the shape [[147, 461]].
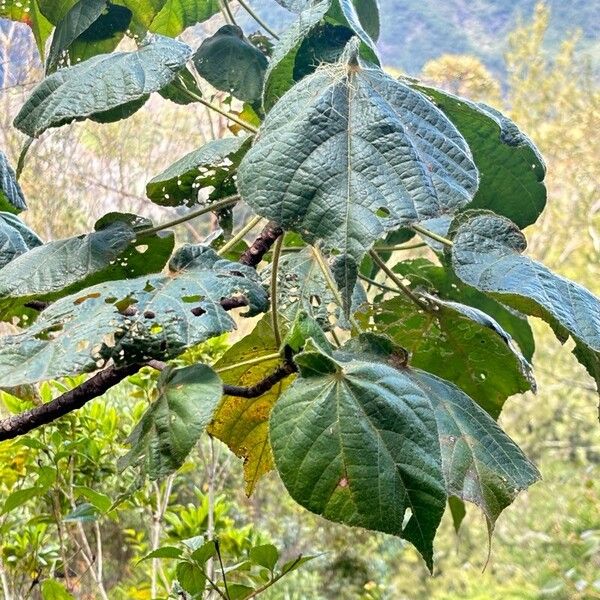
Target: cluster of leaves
[[382, 431]]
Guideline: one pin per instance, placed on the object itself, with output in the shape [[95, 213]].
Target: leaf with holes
[[76, 93], [302, 287], [85, 30], [487, 255], [482, 465], [170, 428], [15, 238], [349, 154], [485, 362], [230, 63], [242, 423], [11, 195], [213, 165], [511, 168], [63, 267], [355, 441], [128, 321], [422, 275]]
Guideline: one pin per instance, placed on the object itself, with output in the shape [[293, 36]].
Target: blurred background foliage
[[68, 515]]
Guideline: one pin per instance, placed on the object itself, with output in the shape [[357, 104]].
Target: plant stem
[[399, 248], [223, 112], [223, 203], [22, 156], [387, 288], [240, 235], [432, 235], [332, 285], [403, 288], [227, 14], [251, 12], [218, 550], [249, 362], [274, 273]]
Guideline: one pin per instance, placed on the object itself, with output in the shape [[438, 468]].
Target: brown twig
[[261, 245]]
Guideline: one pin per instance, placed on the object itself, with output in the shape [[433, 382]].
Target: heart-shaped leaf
[[511, 168], [230, 63], [482, 465], [355, 441], [11, 195], [487, 255], [76, 93], [129, 321], [349, 154], [170, 428], [213, 165]]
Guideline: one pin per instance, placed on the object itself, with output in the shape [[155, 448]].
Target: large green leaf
[[355, 441], [242, 423], [349, 154], [79, 92], [360, 437], [213, 165], [511, 168], [103, 36], [280, 73], [291, 55], [301, 287], [28, 11], [177, 15], [487, 255], [423, 276], [230, 63], [83, 14], [11, 194], [460, 344], [482, 465], [63, 267], [170, 428], [154, 316], [15, 238]]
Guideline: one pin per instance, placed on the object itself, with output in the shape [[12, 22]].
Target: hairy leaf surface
[[81, 91], [511, 168], [213, 165], [230, 63], [243, 423], [302, 287], [349, 154], [63, 267], [355, 441], [482, 465], [128, 321], [11, 195], [15, 238], [487, 255], [170, 428]]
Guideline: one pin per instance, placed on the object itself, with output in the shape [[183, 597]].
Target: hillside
[[424, 29]]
